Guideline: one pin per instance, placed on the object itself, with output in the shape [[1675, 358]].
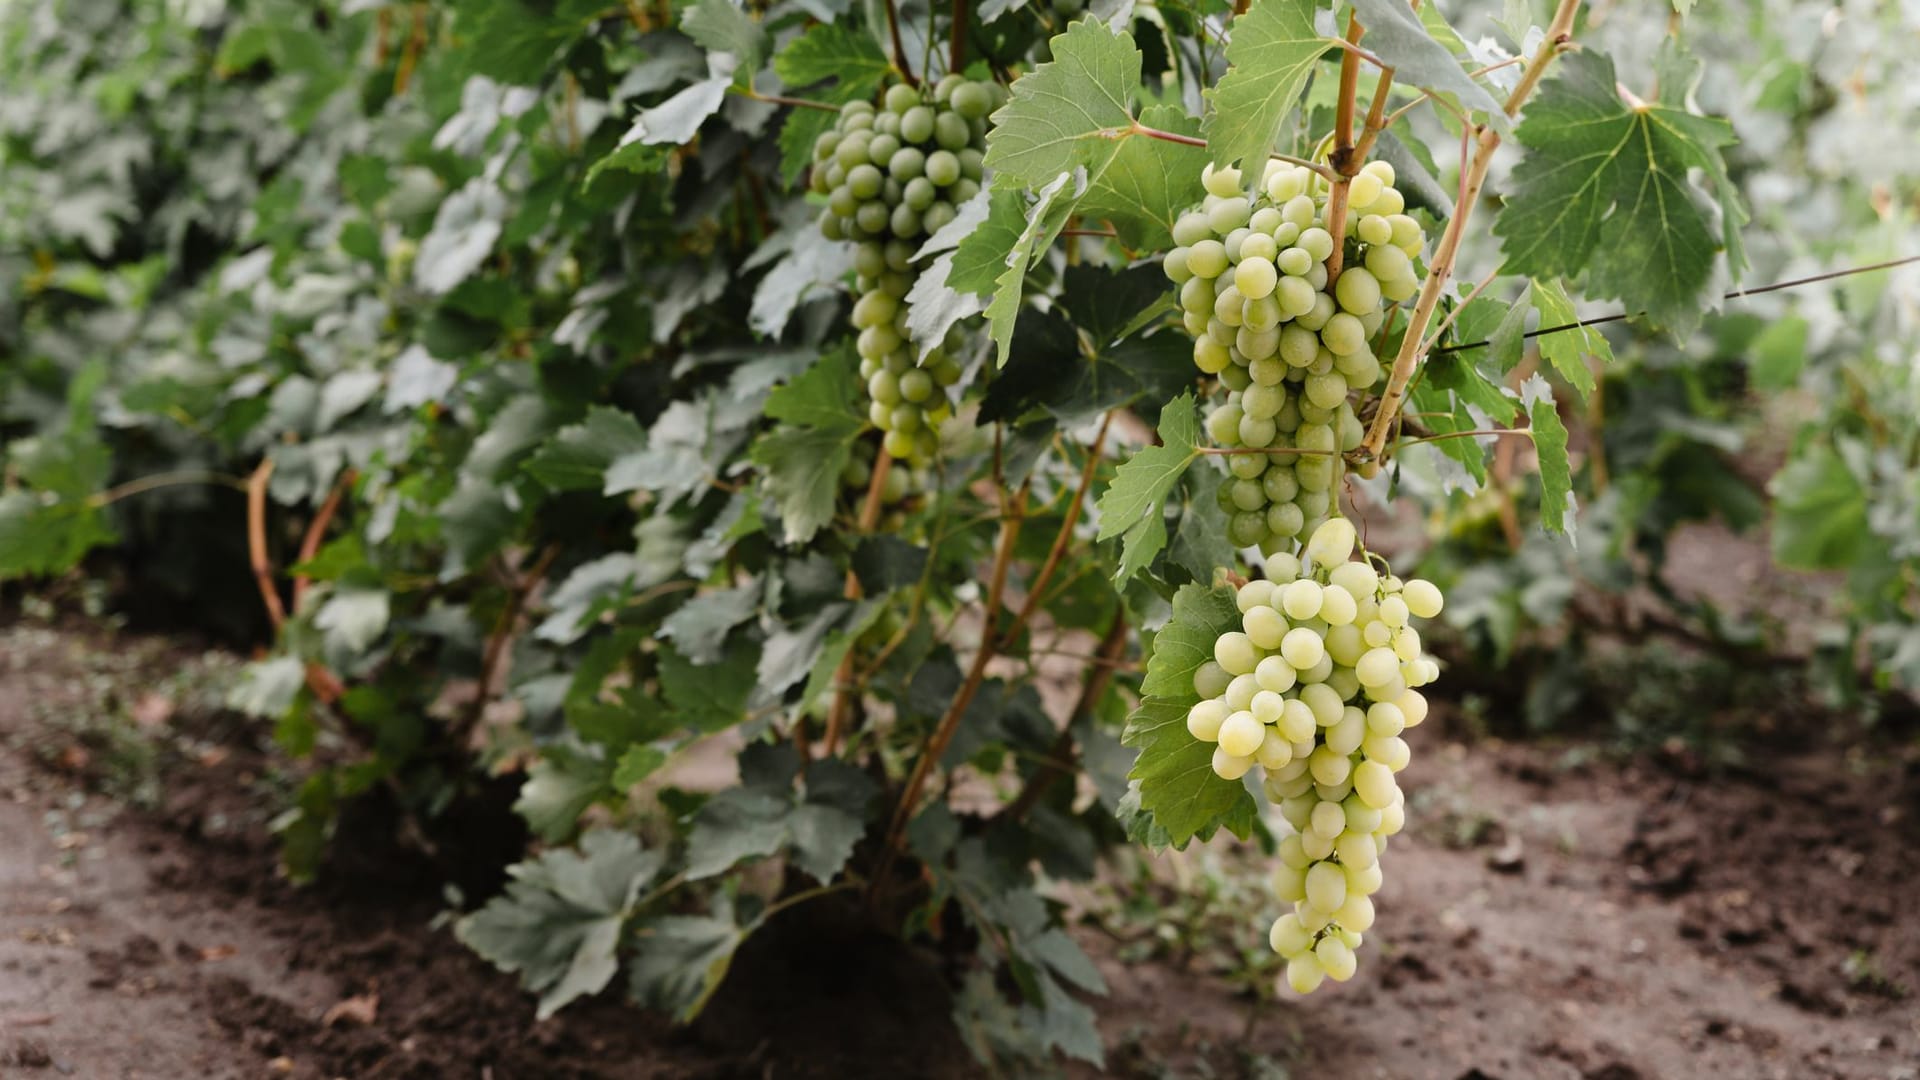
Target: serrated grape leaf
[[636, 763], [1507, 343], [1397, 34], [817, 825], [1076, 377], [559, 922], [801, 464], [719, 26], [884, 563], [353, 619], [1048, 214], [1777, 353], [709, 697], [1149, 183], [559, 788], [1133, 507], [583, 592], [681, 960], [1444, 413], [824, 396], [1177, 783], [41, 537], [670, 123], [807, 263], [266, 688], [1201, 613], [790, 651], [699, 627], [1604, 189], [1067, 114], [1567, 350], [981, 255], [1272, 51], [576, 457], [1200, 543], [934, 306], [1558, 509], [1819, 512], [464, 230]]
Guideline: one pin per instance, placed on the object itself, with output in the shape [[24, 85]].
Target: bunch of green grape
[[1316, 688], [900, 486], [893, 177], [1289, 348]]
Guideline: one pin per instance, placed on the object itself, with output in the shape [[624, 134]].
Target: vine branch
[[899, 49], [1559, 35], [1345, 162], [843, 679]]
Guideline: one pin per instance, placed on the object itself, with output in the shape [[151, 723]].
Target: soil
[[1553, 913]]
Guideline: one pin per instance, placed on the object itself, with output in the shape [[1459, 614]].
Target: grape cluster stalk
[[1287, 338], [894, 176], [1316, 688]]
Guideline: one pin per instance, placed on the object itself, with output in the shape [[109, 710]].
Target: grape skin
[[1327, 734], [893, 176]]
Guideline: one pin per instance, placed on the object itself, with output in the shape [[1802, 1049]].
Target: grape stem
[[957, 46], [899, 49], [257, 544], [1395, 116], [1138, 128], [1413, 343], [1349, 46], [317, 531], [181, 478], [1343, 159]]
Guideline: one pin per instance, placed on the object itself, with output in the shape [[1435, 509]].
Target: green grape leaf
[[1567, 350], [558, 923], [637, 762], [1200, 543], [1069, 113], [1558, 509], [850, 65], [1201, 614], [824, 396], [682, 960], [981, 256], [802, 464], [1272, 51], [559, 788], [1044, 219], [1178, 786], [1133, 507], [1397, 34], [1604, 189], [709, 697], [1819, 513], [1445, 413], [576, 457], [719, 26], [1777, 353], [818, 827], [699, 627], [1149, 182]]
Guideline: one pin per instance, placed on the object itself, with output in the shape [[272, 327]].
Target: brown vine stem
[[957, 45], [942, 735], [1060, 757], [1351, 49], [1064, 538], [777, 99], [899, 49], [316, 532], [1426, 95], [843, 679], [181, 478], [502, 636], [1440, 269], [1344, 161], [257, 543]]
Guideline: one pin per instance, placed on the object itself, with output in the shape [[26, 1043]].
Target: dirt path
[[1549, 916]]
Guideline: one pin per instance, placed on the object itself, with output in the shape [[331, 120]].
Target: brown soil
[[1550, 915]]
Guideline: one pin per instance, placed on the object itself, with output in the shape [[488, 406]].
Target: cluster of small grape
[[1316, 688], [903, 482], [1253, 277], [892, 177]]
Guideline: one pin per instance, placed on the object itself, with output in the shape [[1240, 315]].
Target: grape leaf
[[1558, 508], [803, 459], [981, 255], [849, 63], [700, 626], [558, 924], [1133, 507], [1819, 513], [1200, 543], [1397, 34], [934, 306], [1272, 51], [1067, 113], [1177, 783], [682, 960], [766, 815], [709, 697], [576, 457], [1045, 218], [1604, 188], [1149, 182], [1567, 350], [1445, 413], [719, 26]]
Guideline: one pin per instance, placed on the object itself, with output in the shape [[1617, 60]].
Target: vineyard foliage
[[514, 343]]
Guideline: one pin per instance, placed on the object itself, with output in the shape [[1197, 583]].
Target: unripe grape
[[1288, 937], [1389, 750], [1413, 706], [1305, 973], [1229, 767], [1364, 881], [1385, 718], [1329, 767], [1356, 913], [1241, 733], [1326, 887], [1422, 598], [1240, 691], [1328, 820], [1373, 782], [1357, 290], [1302, 648], [1255, 593], [1204, 719], [1210, 680], [1344, 736]]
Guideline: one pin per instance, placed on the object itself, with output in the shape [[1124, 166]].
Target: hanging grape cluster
[[1253, 276], [893, 177], [1315, 688], [902, 483]]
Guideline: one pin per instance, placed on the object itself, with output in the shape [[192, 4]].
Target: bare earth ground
[[1552, 914]]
